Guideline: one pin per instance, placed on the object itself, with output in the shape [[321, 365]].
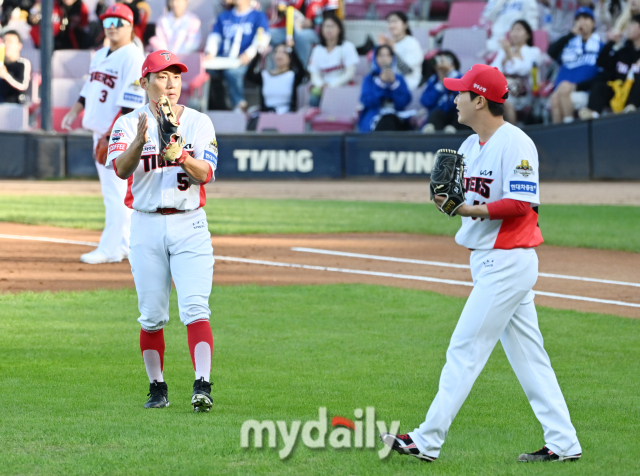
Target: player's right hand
[[142, 135], [68, 119]]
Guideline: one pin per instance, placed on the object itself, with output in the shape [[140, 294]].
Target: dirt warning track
[[570, 278]]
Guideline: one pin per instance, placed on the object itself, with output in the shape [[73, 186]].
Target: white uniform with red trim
[[170, 246], [504, 267], [112, 84]]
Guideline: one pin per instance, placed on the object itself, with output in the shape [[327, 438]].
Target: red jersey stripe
[[128, 198], [519, 232]]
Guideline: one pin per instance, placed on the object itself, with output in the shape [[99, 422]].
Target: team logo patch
[[527, 187], [133, 98], [116, 135], [167, 56], [211, 157], [119, 146], [524, 169], [213, 145], [148, 149], [135, 84]]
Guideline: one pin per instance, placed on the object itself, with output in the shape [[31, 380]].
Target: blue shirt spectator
[[384, 95], [238, 35], [439, 100]]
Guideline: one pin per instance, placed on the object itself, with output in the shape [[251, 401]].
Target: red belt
[[168, 211]]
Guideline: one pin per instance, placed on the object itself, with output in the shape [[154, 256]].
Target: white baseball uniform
[[169, 246], [504, 267], [112, 84]]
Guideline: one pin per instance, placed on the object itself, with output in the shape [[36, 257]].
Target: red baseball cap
[[483, 80], [119, 10], [161, 60]]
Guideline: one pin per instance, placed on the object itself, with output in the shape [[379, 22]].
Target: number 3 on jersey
[[183, 182], [103, 96]]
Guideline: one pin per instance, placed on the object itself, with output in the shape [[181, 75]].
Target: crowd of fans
[[589, 68]]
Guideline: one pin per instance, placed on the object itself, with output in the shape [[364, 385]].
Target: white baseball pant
[[500, 307], [171, 246], [114, 241]]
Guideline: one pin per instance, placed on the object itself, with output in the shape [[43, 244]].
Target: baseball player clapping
[[166, 153], [500, 227]]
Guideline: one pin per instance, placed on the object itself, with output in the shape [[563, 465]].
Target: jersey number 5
[[183, 182], [103, 97]]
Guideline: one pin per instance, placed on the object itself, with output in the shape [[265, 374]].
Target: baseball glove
[[101, 149], [447, 180], [171, 142]]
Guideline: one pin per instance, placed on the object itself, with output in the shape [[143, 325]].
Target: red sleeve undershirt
[[507, 208]]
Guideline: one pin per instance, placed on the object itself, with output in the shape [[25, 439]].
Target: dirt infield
[[585, 193], [43, 265]]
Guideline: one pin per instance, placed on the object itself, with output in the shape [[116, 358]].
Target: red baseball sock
[[200, 347], [152, 347]]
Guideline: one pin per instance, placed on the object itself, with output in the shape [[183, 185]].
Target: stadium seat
[[71, 64], [58, 114], [14, 117], [465, 43], [338, 110], [462, 15], [292, 123], [195, 82], [541, 40], [66, 95], [384, 7], [356, 9], [228, 122]]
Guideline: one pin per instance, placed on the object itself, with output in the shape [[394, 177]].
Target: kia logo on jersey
[[167, 56]]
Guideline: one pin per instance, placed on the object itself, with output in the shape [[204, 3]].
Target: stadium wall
[[578, 151]]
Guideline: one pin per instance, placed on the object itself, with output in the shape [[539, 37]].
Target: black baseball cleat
[[158, 395], [545, 454], [404, 445], [201, 398]]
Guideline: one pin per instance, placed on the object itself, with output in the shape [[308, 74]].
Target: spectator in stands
[[9, 7], [577, 54], [238, 35], [516, 59], [620, 77], [333, 62], [178, 30], [304, 36], [278, 87], [438, 100], [562, 13], [15, 72], [501, 14], [385, 94], [407, 50], [70, 25], [617, 32]]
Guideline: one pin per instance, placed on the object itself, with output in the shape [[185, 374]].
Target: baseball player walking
[[111, 90], [500, 226], [166, 153]]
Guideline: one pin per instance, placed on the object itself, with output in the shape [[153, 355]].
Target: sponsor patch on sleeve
[[211, 157], [133, 98], [119, 146], [519, 186]]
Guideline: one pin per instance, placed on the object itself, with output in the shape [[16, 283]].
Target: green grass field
[[604, 227], [72, 384]]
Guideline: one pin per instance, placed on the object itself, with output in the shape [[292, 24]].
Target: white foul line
[[345, 270], [453, 265], [410, 277], [51, 240]]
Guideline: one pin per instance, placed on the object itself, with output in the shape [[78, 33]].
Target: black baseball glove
[[447, 180]]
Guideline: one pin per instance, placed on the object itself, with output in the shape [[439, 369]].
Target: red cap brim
[[453, 84]]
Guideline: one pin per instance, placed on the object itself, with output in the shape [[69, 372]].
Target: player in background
[[111, 90], [500, 227], [169, 232]]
